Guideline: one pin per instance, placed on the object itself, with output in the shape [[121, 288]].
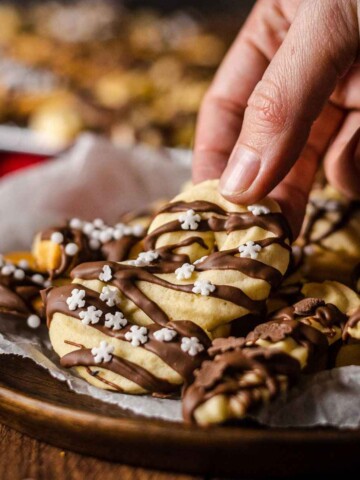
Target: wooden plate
[[34, 403]]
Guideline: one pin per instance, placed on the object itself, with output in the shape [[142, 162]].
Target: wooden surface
[[24, 458], [34, 403]]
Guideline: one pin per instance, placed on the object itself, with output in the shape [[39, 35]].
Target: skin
[[286, 96]]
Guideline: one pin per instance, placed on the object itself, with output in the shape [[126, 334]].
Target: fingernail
[[242, 169]]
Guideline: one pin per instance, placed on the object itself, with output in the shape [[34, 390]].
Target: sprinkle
[[110, 295], [76, 223], [102, 353], [33, 321], [8, 269], [88, 228], [76, 300], [138, 230], [250, 249], [200, 260], [71, 249], [137, 335], [189, 220], [37, 278], [204, 287], [185, 271], [98, 223], [19, 274], [90, 316], [95, 234], [191, 345], [165, 334], [106, 274], [94, 244], [24, 264], [258, 209], [118, 233], [57, 237], [144, 258], [106, 235], [47, 283], [115, 321]]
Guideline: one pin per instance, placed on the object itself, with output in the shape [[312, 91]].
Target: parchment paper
[[95, 179]]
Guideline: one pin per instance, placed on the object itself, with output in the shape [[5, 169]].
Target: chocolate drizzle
[[169, 352], [319, 210], [18, 296], [142, 377], [352, 322], [272, 369], [229, 222], [128, 280], [226, 375]]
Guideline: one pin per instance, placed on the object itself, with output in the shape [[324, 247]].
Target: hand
[[286, 95]]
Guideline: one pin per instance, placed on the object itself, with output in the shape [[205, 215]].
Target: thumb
[[320, 46]]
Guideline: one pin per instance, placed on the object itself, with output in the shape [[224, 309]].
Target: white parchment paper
[[96, 179]]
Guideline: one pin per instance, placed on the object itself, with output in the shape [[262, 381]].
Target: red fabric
[[11, 161]]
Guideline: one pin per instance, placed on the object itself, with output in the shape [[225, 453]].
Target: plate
[[34, 403]]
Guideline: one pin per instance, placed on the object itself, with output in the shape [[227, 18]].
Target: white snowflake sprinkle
[[250, 249], [191, 346], [189, 220], [71, 249], [47, 283], [200, 259], [115, 321], [144, 258], [38, 278], [137, 335], [90, 316], [24, 264], [106, 274], [57, 237], [165, 334], [203, 287], [33, 321], [258, 209], [19, 274], [8, 269], [76, 300], [76, 223], [185, 271], [102, 353], [110, 295]]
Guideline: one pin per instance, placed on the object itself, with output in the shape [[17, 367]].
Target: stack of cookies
[[204, 299]]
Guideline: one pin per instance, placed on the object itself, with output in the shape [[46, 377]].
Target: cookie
[[89, 332], [20, 286], [59, 249], [205, 260], [171, 287], [329, 246], [246, 373]]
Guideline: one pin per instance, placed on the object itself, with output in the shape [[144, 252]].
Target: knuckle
[[267, 108]]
